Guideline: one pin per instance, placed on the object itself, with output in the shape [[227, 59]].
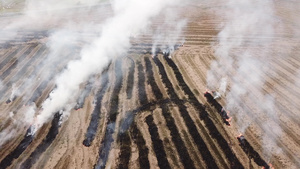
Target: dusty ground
[[143, 114]]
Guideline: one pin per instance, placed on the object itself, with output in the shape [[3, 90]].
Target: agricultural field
[[153, 105]]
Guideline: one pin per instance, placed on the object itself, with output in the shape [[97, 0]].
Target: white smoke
[[242, 58], [168, 34], [130, 18], [14, 93], [17, 122]]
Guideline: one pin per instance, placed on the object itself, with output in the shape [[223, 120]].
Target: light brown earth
[[193, 59]]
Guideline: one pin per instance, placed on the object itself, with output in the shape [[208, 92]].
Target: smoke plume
[[243, 53], [129, 19]]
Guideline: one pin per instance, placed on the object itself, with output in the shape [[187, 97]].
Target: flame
[[229, 120], [240, 135]]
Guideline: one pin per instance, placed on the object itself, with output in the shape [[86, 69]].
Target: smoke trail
[[242, 57], [168, 39], [130, 18]]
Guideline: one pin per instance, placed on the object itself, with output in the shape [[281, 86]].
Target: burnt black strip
[[7, 161], [52, 133], [138, 139], [151, 79], [105, 146], [218, 107], [179, 144], [115, 94], [234, 162], [203, 149], [125, 150], [157, 144], [141, 84], [86, 91], [93, 126], [111, 122], [249, 150], [38, 92], [130, 79]]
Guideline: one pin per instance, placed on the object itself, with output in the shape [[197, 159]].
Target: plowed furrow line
[[93, 126], [42, 147], [11, 59], [7, 57], [203, 116], [285, 69], [138, 139], [207, 157], [278, 90], [282, 124], [200, 73], [259, 123], [157, 144], [21, 61], [9, 69], [19, 83], [111, 121], [4, 52], [290, 78], [178, 142], [24, 70], [34, 54]]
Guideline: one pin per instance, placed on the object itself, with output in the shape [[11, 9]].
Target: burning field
[[152, 84]]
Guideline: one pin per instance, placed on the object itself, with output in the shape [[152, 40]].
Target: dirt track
[[150, 112]]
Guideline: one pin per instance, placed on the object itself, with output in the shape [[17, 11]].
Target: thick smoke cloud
[[248, 37], [129, 19], [103, 40], [167, 35]]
